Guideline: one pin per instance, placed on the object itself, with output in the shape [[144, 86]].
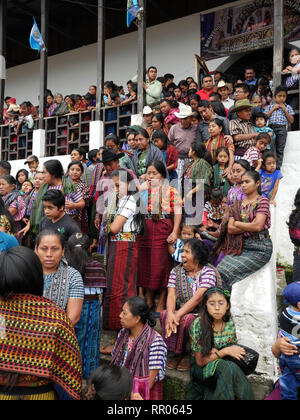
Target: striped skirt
[[121, 277], [155, 262], [256, 253], [176, 343], [88, 333]]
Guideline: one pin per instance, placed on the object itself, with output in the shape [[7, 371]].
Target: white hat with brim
[[184, 112], [222, 84], [147, 110]]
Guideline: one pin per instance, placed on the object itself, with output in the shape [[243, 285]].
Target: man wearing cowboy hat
[[147, 117], [182, 135], [242, 130], [110, 161], [223, 90]]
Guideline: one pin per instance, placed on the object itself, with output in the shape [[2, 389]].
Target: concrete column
[[96, 135], [39, 143]]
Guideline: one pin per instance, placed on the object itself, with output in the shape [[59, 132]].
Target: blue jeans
[[290, 376]]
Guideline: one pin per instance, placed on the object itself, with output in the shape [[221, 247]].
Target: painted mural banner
[[238, 29]]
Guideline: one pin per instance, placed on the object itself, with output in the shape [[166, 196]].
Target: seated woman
[[249, 221], [39, 347], [213, 337], [187, 284], [140, 349], [62, 283]]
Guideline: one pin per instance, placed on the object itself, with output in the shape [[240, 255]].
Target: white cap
[[147, 110]]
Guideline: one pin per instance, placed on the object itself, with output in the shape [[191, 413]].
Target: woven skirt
[[154, 261], [256, 253], [121, 275]]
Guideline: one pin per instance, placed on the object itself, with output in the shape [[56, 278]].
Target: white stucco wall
[[170, 46]]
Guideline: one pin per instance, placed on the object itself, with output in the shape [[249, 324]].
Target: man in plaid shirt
[[280, 115]]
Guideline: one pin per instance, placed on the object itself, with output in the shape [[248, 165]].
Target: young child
[[290, 328], [186, 232], [26, 188], [33, 166], [280, 115], [254, 153], [270, 176], [260, 126], [212, 213], [55, 216], [221, 180]]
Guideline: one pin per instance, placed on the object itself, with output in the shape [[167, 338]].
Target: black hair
[[55, 168], [9, 179], [183, 83], [161, 79], [243, 86], [260, 115], [216, 94], [130, 131], [138, 307], [169, 76], [5, 166], [264, 136], [243, 163], [256, 178], [151, 67], [191, 92], [219, 109], [206, 338], [25, 172], [112, 383], [204, 103], [219, 122], [50, 232], [216, 194], [160, 118], [88, 97], [199, 149], [82, 152], [169, 94], [142, 132], [160, 134], [93, 154], [55, 197], [294, 218], [222, 149], [76, 162], [199, 250], [21, 272], [207, 76], [77, 251], [159, 166], [279, 89], [267, 154], [194, 97], [172, 86]]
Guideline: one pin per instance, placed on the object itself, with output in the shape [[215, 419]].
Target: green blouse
[[222, 339]]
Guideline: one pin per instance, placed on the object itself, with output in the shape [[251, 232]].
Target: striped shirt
[[74, 197], [204, 279], [157, 355], [252, 155], [238, 126]]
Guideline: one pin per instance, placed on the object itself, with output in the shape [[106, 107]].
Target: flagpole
[[142, 25], [100, 56], [3, 8], [43, 61]]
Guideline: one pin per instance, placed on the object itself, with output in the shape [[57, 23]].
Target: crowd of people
[[177, 215]]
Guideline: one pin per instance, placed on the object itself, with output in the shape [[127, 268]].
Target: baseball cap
[[31, 158], [292, 293]]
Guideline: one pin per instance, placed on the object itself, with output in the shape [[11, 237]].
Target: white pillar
[[39, 143], [96, 135]]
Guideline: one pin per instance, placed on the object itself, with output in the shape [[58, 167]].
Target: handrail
[[65, 132]]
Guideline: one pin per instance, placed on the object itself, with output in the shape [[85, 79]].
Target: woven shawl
[[137, 361], [39, 340], [183, 288], [58, 291]]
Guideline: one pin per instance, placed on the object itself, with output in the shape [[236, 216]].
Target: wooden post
[[3, 6], [278, 42], [100, 56], [142, 26], [43, 60]]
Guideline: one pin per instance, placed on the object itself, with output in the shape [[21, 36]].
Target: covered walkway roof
[[73, 23]]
